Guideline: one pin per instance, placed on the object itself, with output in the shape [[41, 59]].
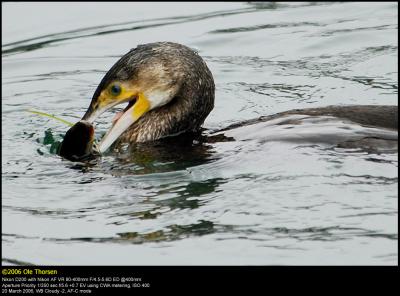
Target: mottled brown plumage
[[188, 73]]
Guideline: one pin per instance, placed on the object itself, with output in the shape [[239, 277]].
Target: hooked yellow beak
[[142, 96], [141, 106]]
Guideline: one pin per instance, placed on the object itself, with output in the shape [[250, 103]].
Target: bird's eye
[[115, 89]]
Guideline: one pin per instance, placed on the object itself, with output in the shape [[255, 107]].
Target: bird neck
[[181, 115]]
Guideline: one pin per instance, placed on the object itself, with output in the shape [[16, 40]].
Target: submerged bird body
[[170, 91], [383, 116], [370, 128]]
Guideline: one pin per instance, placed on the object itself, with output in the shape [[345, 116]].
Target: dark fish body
[[78, 142]]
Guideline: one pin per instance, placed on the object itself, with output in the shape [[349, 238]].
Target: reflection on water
[[238, 196], [162, 156], [173, 232]]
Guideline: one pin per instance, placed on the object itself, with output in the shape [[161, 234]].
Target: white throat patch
[[158, 98]]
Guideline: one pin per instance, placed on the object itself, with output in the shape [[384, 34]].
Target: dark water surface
[[234, 202]]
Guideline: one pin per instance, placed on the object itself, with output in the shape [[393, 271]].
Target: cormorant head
[[146, 78]]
